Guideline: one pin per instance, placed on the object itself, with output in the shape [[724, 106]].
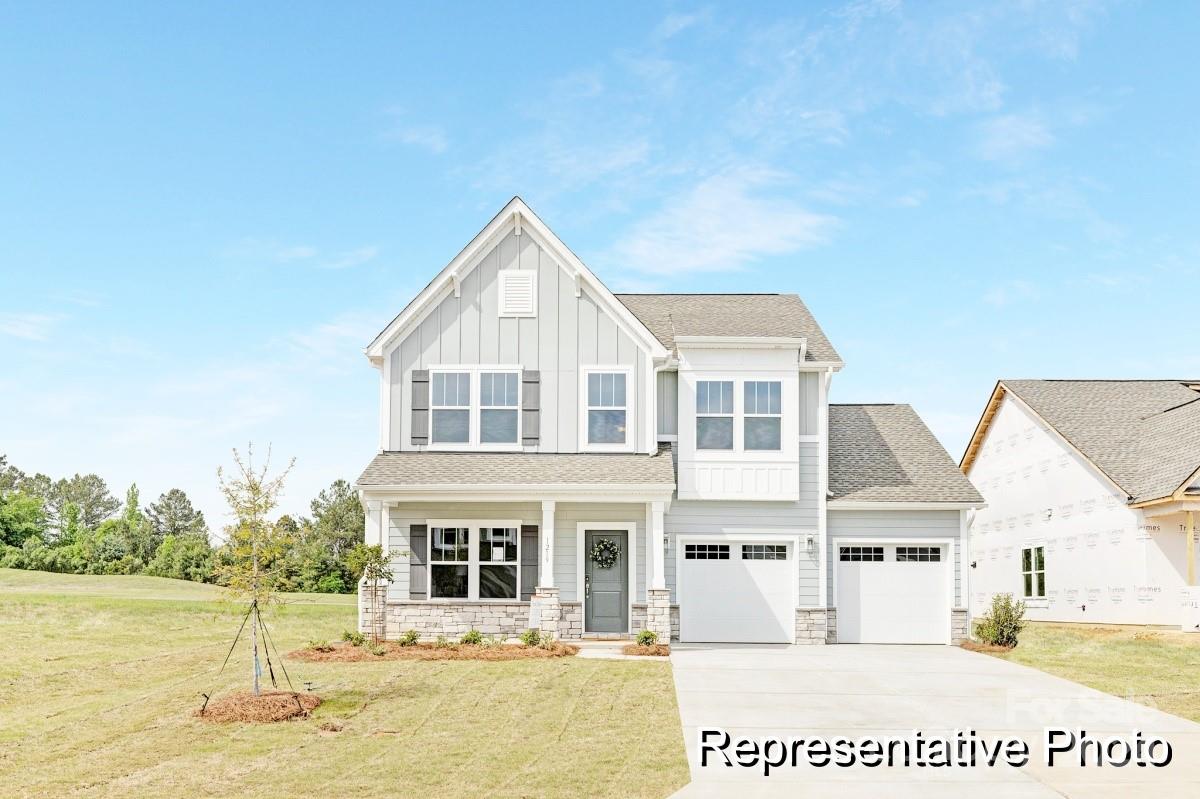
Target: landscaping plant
[[1002, 624], [647, 638], [472, 638]]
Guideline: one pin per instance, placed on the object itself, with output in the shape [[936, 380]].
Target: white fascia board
[[562, 492], [837, 504], [469, 257], [742, 342]]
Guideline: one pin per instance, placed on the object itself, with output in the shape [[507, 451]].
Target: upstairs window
[[498, 407], [450, 404], [714, 414], [607, 409], [763, 409]]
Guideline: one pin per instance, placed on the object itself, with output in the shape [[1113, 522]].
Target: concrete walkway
[[855, 691]]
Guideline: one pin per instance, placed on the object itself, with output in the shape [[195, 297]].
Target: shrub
[[410, 638], [354, 638], [546, 642], [472, 638], [1003, 622], [441, 642], [647, 638], [378, 650], [493, 641], [320, 646], [531, 637]]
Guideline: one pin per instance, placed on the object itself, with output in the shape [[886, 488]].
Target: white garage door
[[893, 594], [742, 592]]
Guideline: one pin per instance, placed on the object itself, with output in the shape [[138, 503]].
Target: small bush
[[546, 642], [647, 638], [320, 646], [472, 638], [379, 650], [354, 638], [442, 642], [531, 637], [1003, 622], [410, 638], [493, 641]]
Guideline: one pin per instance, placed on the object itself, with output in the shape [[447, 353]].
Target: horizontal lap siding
[[693, 517], [897, 524], [567, 517]]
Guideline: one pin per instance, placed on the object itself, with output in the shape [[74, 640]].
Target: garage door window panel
[[764, 552], [918, 554], [706, 552], [859, 554]]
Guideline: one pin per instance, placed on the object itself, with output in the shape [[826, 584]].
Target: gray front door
[[606, 591]]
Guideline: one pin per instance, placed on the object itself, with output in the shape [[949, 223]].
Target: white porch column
[[374, 531], [546, 562], [655, 573]]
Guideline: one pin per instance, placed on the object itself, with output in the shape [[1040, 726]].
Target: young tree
[[173, 514], [255, 544], [371, 563]]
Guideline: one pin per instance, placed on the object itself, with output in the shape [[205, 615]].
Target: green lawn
[[98, 677], [1157, 668]]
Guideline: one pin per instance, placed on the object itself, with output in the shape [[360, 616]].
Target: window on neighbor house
[[1033, 572], [763, 412], [449, 562], [607, 411], [450, 404], [714, 414], [498, 407]]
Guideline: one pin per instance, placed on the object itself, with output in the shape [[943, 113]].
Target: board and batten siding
[[568, 332], [718, 518], [810, 400], [668, 403], [898, 524]]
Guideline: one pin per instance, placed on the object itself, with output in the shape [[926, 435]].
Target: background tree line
[[75, 525]]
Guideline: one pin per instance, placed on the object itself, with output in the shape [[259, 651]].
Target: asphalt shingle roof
[[1143, 434], [885, 453], [517, 468], [764, 315]]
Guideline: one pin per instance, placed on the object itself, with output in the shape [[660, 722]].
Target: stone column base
[[545, 611], [372, 615], [960, 625], [812, 625], [658, 613]]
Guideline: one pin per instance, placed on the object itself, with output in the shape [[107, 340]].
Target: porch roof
[[463, 471]]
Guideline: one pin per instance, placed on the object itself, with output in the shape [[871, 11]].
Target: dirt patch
[[265, 708], [647, 650], [990, 649], [346, 653]]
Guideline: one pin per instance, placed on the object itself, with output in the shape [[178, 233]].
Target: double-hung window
[[498, 407], [763, 410], [607, 409], [474, 560], [714, 414], [450, 405], [1033, 572]]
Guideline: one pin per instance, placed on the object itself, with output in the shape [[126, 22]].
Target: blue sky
[[207, 211]]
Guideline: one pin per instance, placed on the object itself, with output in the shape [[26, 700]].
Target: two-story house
[[1093, 487], [552, 455]]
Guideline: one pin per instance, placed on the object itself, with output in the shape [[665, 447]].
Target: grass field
[[99, 675], [1156, 668]]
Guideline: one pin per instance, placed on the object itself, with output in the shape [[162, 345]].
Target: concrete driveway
[[856, 691]]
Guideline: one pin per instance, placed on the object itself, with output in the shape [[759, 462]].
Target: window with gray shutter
[[531, 403], [529, 560], [418, 569], [420, 407]]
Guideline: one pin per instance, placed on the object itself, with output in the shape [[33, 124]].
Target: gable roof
[[1144, 435], [514, 215], [885, 453], [748, 315]]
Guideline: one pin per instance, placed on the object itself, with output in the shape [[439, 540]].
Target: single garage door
[[737, 592], [893, 594]]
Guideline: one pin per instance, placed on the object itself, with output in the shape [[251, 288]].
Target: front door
[[606, 591]]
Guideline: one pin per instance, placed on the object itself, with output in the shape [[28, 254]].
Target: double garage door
[[893, 593], [737, 592]]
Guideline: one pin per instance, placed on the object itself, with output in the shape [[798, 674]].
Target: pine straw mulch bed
[[267, 707], [347, 653], [647, 650], [990, 649]]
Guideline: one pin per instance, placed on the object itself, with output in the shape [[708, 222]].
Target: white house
[[1092, 488], [553, 455]]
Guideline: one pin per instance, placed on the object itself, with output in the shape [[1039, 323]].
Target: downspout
[[823, 490]]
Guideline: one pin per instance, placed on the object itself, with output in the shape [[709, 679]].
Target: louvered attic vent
[[518, 292]]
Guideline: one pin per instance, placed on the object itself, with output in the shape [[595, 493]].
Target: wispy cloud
[[722, 224], [28, 326], [351, 258], [1010, 292], [296, 253], [1012, 137], [424, 136], [676, 23]]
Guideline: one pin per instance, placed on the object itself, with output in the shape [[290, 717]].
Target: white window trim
[[739, 451], [630, 409], [747, 415], [473, 442], [581, 530], [732, 415], [473, 526], [1032, 601]]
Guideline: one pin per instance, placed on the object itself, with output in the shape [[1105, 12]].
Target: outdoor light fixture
[[812, 544]]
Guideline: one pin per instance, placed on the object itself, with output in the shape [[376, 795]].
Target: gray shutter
[[418, 569], [531, 403], [420, 407], [529, 560]]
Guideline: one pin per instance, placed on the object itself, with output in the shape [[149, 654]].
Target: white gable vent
[[518, 292]]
